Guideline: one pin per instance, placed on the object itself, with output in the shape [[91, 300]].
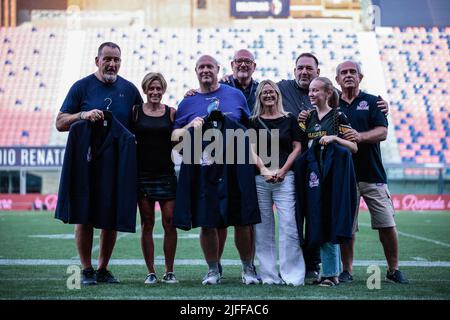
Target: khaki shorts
[[379, 202]]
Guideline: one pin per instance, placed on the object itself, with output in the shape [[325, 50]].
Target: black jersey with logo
[[364, 115], [333, 123]]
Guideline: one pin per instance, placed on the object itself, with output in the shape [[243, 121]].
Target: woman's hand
[[326, 140], [280, 174], [268, 175]]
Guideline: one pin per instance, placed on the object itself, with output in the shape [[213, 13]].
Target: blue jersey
[[90, 93], [231, 102]]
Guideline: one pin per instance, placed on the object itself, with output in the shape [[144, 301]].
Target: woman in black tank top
[[152, 125]]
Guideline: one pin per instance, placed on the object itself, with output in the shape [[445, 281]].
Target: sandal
[[328, 282]]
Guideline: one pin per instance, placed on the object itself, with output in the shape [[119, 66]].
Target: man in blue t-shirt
[[369, 128], [85, 101], [190, 113]]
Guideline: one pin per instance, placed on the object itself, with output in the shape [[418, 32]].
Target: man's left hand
[[352, 135], [383, 105]]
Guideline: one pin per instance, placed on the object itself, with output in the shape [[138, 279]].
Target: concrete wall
[[167, 13]]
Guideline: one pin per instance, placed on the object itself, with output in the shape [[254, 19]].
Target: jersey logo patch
[[313, 180], [363, 105], [89, 155]]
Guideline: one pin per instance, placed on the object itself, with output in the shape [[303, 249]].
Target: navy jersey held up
[[326, 199], [98, 180], [212, 195]]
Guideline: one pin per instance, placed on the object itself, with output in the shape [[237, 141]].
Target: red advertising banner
[[418, 202], [402, 202]]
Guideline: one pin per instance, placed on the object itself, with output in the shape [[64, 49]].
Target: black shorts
[[158, 188]]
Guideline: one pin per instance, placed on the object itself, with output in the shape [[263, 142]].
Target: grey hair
[[251, 54], [107, 44], [358, 66], [207, 55]]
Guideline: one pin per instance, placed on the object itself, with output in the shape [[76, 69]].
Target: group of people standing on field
[[328, 151]]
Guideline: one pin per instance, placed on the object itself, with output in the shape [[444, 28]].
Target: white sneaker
[[212, 277], [169, 277], [151, 279], [249, 277]]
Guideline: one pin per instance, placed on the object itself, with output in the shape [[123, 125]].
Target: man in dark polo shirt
[[295, 92], [369, 128]]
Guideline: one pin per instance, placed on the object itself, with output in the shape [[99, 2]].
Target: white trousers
[[292, 264]]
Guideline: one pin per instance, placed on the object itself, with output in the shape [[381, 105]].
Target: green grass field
[[36, 249]]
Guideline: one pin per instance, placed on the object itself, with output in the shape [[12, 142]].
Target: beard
[[207, 83], [304, 83], [109, 78], [243, 74]]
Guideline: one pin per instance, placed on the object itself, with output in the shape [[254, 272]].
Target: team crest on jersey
[[317, 127], [363, 105], [89, 155], [313, 180]]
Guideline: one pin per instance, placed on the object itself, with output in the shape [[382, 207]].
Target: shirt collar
[[358, 97]]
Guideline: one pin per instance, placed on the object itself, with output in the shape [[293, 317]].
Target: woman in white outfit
[[275, 185]]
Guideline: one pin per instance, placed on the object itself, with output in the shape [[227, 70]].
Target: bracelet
[[81, 115]]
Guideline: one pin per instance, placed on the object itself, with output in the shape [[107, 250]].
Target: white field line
[[120, 236], [414, 236], [196, 262], [71, 236]]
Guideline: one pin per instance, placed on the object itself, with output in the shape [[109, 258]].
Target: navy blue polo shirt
[[249, 92], [295, 99], [364, 115]]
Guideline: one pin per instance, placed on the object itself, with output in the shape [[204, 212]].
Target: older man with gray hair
[[370, 126]]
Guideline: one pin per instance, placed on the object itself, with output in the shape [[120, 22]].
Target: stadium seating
[[31, 59], [416, 64]]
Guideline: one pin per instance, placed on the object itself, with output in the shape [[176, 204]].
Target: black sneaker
[[345, 277], [220, 270], [106, 276], [396, 277], [88, 277], [311, 277]]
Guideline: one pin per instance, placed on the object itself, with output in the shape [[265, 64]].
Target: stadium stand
[[416, 64], [29, 77], [39, 64]]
